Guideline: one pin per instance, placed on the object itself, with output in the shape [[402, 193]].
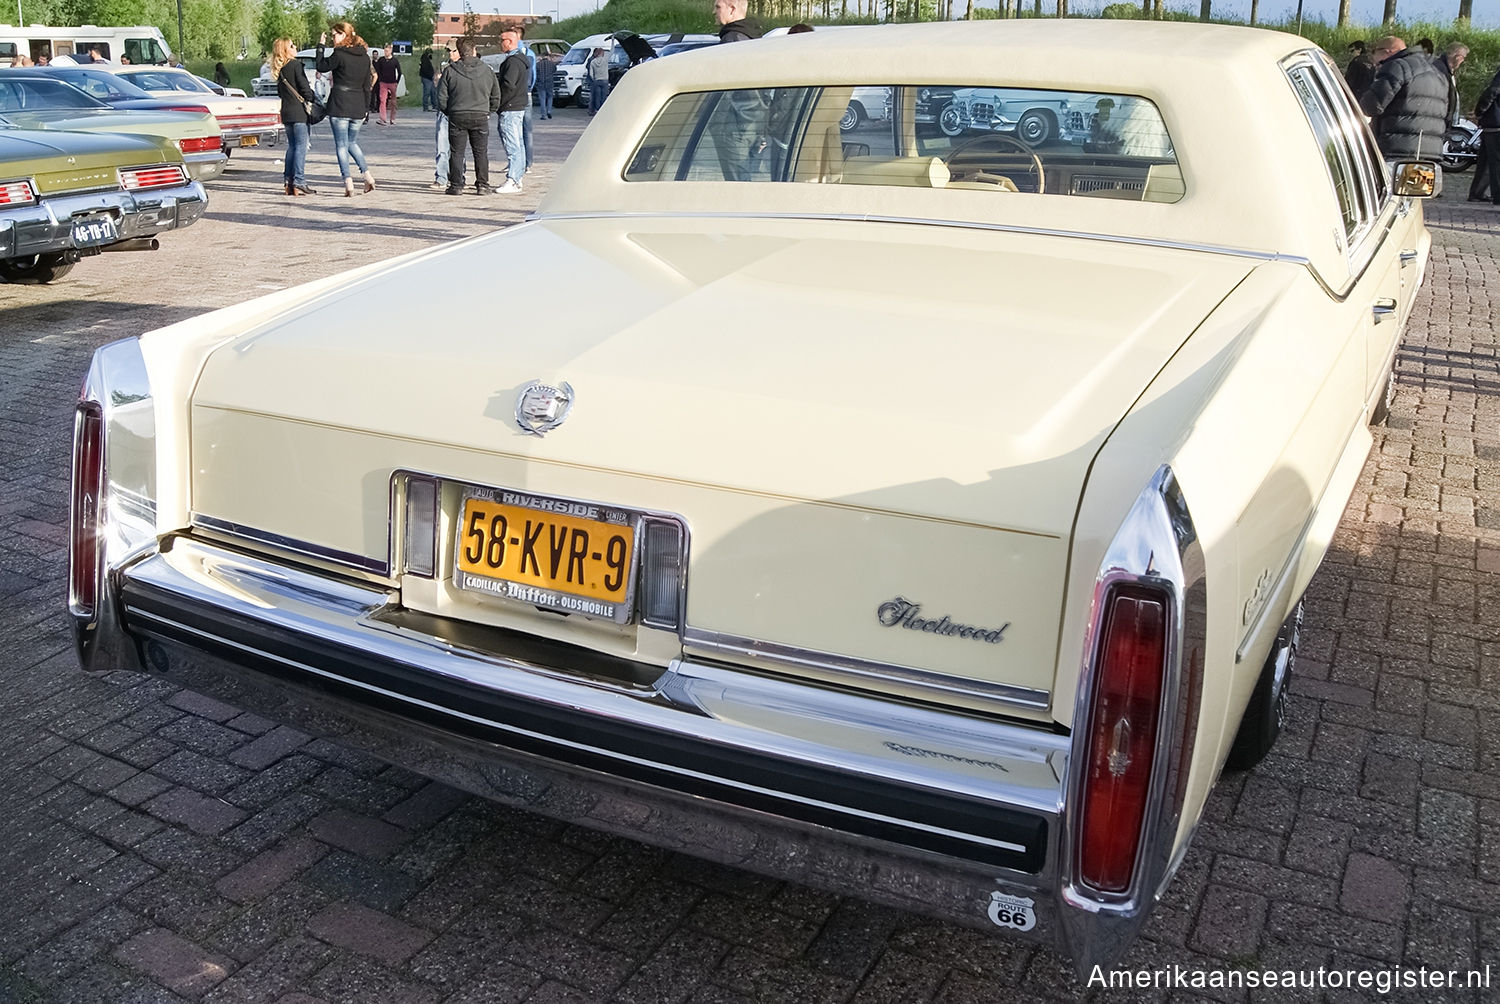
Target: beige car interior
[[822, 153]]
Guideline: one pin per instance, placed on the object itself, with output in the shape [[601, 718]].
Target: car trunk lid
[[877, 433]]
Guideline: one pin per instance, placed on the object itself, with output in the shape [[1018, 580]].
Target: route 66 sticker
[[1012, 912]]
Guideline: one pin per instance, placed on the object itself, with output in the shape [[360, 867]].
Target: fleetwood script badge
[[541, 407]]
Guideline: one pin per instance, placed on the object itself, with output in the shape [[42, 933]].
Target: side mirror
[[1415, 179]]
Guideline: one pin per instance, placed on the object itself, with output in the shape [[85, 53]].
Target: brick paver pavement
[[156, 845]]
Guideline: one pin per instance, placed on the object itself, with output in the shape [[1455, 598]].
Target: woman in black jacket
[[295, 92], [349, 99]]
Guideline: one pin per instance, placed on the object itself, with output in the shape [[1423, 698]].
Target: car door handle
[[1407, 257], [1383, 308]]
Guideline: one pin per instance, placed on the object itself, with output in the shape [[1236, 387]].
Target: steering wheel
[[1006, 144]]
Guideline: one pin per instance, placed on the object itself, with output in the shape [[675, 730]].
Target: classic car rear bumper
[[919, 808], [48, 226], [205, 166], [269, 135]]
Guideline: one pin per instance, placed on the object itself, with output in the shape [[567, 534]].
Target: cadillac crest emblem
[[541, 407]]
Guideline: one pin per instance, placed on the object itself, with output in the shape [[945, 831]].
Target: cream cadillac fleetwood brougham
[[927, 520]]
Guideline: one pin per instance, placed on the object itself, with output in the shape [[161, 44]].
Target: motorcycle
[[1461, 146]]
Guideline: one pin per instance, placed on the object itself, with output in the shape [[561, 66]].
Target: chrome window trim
[[291, 544], [861, 672], [1300, 70], [1157, 547], [1339, 294]]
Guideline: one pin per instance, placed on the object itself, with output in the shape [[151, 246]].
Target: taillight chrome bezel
[[29, 184], [1157, 550], [129, 174], [86, 519], [112, 498]]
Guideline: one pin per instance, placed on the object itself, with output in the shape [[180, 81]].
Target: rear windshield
[[102, 85], [159, 81], [998, 139], [30, 94]]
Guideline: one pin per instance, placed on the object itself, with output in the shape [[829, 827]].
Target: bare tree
[[1206, 11], [1254, 11], [1156, 9], [1465, 10], [1145, 8], [1344, 13], [1389, 17], [1062, 8]]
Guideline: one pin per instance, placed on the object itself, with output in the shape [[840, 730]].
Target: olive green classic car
[[67, 195]]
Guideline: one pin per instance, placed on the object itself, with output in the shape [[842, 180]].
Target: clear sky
[[1486, 12]]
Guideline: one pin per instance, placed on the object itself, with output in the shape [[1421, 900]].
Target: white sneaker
[[437, 186], [509, 186]]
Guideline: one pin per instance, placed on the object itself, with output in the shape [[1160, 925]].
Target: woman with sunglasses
[[349, 98]]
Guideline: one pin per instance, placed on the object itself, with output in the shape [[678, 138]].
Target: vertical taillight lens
[[420, 531], [88, 479], [1121, 728], [661, 575]]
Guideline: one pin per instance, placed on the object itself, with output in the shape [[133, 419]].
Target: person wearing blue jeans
[[515, 98], [546, 72], [346, 148], [296, 93], [598, 78], [348, 98]]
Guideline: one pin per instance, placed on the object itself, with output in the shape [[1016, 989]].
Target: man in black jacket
[[1407, 102], [1361, 71], [468, 94], [1487, 171], [734, 26], [515, 97]]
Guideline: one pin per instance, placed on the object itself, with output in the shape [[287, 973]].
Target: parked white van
[[137, 44]]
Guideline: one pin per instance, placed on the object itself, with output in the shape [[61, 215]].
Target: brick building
[[449, 25]]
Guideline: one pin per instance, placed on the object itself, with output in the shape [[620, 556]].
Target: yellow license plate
[[566, 556], [249, 141]]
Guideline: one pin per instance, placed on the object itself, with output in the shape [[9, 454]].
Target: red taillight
[[199, 144], [163, 176], [88, 479], [16, 193], [1121, 730]]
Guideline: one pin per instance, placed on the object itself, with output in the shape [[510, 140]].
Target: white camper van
[[137, 44]]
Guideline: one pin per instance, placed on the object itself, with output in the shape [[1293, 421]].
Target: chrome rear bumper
[[48, 226], [915, 807]]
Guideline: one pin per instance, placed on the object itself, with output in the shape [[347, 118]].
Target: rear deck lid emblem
[[541, 407]]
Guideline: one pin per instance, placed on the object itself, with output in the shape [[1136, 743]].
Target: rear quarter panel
[[1254, 414]]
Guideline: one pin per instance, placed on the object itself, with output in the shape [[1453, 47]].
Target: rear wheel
[[35, 269], [852, 117], [1266, 714]]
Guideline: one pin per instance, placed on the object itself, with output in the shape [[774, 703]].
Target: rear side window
[[992, 139], [8, 53], [1352, 177]]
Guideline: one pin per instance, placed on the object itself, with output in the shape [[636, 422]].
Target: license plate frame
[[540, 517], [93, 230]]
